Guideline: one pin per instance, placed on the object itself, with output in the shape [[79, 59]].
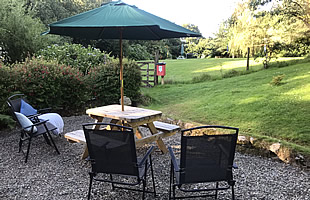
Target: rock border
[[251, 145]]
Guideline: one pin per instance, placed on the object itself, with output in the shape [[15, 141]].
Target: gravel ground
[[48, 175]]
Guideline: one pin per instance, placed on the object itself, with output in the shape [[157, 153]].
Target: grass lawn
[[250, 102], [185, 70]]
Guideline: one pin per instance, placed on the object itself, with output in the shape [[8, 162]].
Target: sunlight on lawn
[[301, 93], [250, 100], [228, 66]]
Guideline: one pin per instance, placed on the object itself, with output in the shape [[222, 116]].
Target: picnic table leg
[[85, 153], [159, 142], [137, 132]]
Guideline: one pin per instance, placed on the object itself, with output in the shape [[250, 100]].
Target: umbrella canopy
[[106, 21], [118, 20]]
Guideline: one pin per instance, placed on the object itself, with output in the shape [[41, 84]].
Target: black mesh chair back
[[112, 151], [205, 157], [14, 103]]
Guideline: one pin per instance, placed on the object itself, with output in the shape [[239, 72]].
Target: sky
[[206, 14]]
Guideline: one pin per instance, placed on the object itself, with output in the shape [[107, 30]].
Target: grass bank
[[250, 102]]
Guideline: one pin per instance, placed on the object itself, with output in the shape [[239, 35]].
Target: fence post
[[248, 60], [155, 67]]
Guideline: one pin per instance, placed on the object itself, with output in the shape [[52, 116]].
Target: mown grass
[[184, 71], [250, 102]]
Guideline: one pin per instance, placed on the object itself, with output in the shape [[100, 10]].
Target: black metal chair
[[204, 160], [112, 152], [30, 130], [15, 102]]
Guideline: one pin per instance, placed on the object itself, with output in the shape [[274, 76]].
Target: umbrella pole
[[121, 68]]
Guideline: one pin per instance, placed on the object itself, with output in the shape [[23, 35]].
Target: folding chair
[[113, 153], [30, 130], [204, 160], [19, 103]]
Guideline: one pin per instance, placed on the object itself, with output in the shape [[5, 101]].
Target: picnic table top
[[130, 113]]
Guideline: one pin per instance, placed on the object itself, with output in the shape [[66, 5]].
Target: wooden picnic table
[[132, 117]]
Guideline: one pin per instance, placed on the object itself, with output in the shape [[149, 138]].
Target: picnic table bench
[[163, 130]]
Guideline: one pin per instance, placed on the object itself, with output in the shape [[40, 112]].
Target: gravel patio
[[48, 175]]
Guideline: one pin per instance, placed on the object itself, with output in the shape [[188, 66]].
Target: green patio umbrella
[[118, 20]]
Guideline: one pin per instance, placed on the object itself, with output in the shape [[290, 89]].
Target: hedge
[[66, 88]]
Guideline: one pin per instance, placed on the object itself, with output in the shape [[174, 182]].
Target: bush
[[231, 73], [74, 55], [6, 87], [105, 82], [48, 84], [201, 78], [277, 80]]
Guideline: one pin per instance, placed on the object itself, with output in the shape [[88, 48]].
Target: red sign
[[161, 69]]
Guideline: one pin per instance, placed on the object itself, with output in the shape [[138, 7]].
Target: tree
[[19, 31], [53, 10]]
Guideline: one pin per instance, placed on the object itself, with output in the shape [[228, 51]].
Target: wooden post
[[162, 80], [155, 68], [121, 67], [248, 60]]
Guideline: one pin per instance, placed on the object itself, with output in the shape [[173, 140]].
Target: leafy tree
[[53, 10], [19, 31]]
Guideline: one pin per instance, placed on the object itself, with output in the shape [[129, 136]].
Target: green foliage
[[19, 31], [48, 84], [53, 10], [277, 80], [231, 73], [74, 55], [6, 87], [66, 89], [6, 121], [138, 52], [201, 78], [105, 83]]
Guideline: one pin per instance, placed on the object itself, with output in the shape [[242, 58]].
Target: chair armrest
[[36, 124], [173, 160], [148, 153], [44, 110]]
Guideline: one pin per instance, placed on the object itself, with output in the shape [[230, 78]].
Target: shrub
[[231, 73], [105, 82], [6, 87], [74, 55], [277, 80], [48, 84], [6, 121], [201, 78]]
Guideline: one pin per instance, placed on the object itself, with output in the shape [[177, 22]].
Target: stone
[[275, 147], [242, 140], [127, 101], [252, 140]]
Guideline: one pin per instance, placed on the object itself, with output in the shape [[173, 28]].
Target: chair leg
[[144, 185], [28, 149], [46, 139], [173, 191], [53, 142], [112, 184], [152, 173], [90, 184], [144, 179], [20, 142], [170, 181], [216, 191], [233, 192]]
